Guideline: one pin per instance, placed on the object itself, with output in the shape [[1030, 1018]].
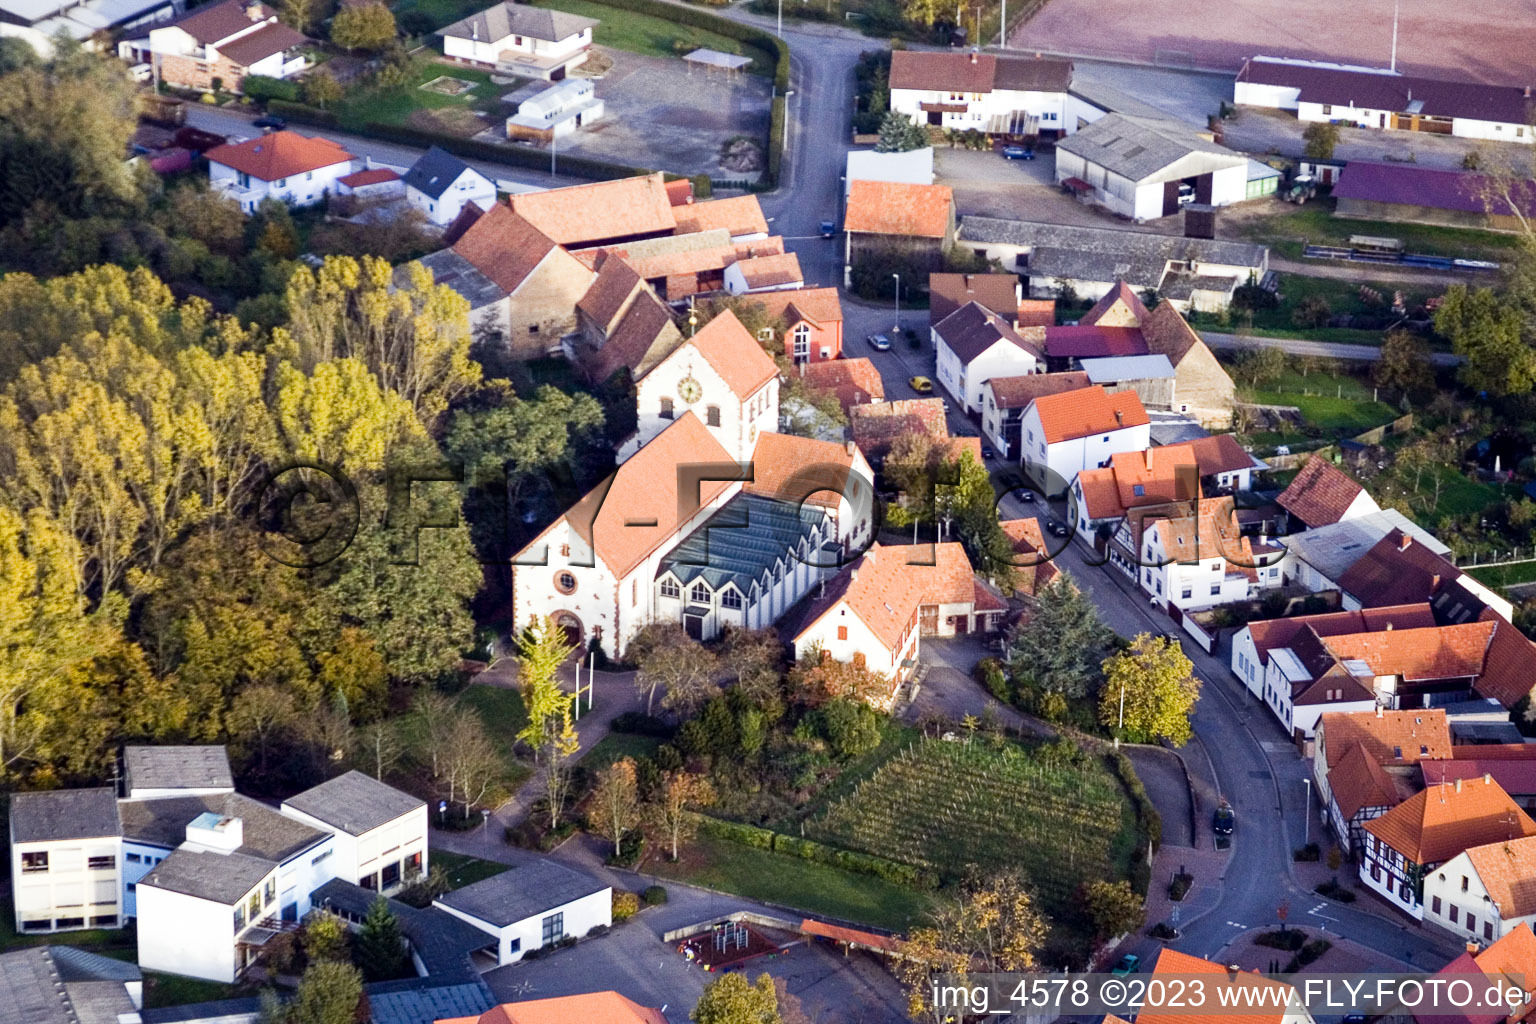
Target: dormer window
[[698, 594]]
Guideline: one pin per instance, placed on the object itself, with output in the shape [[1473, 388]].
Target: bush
[[1312, 950], [625, 905], [1312, 311], [736, 832], [990, 674], [1251, 296], [1332, 890], [640, 724], [1179, 887], [631, 850], [1289, 940], [1148, 821], [261, 88], [654, 895], [597, 930], [1311, 854], [301, 112], [517, 156]]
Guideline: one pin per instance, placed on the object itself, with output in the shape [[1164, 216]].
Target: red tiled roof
[[769, 271], [1090, 410], [1509, 671], [797, 469], [275, 38], [1396, 570], [1036, 313], [1167, 333], [997, 292], [1320, 494], [1396, 737], [643, 337], [279, 155], [1436, 652], [679, 191], [1219, 453], [740, 215], [1434, 825], [936, 71], [1018, 392], [1171, 962], [213, 22], [876, 427], [1119, 292], [580, 215], [504, 247], [371, 176], [1269, 634], [881, 589], [1029, 540], [1359, 781], [1495, 751], [818, 305], [1091, 342], [1510, 957], [734, 354], [898, 208], [1517, 777], [949, 580], [854, 381], [587, 1008]]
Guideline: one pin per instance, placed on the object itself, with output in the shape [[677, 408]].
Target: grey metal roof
[[441, 941], [453, 270], [63, 985], [354, 803], [195, 1013], [1108, 247], [434, 171], [1175, 429], [218, 877], [415, 1000], [1332, 549], [64, 814], [1110, 369], [265, 833], [186, 767], [507, 19], [741, 541], [1180, 286], [1138, 147], [1110, 99], [30, 989], [525, 891]]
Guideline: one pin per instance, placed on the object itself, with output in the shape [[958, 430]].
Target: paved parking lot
[[662, 113]]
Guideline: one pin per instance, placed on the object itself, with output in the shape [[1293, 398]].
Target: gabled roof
[[507, 19], [1359, 781], [1123, 295], [1209, 530], [610, 289], [854, 381], [1269, 634], [1029, 540], [354, 803], [1391, 737], [64, 814], [581, 215], [973, 329], [787, 467], [643, 337], [588, 1008], [213, 22], [1139, 148], [1463, 191], [734, 354], [1221, 453], [1248, 989], [897, 208], [1018, 392], [504, 247], [997, 292], [1509, 958], [279, 155], [818, 305], [881, 589], [370, 176], [680, 191], [1516, 775], [1091, 410], [740, 215], [434, 171], [876, 427], [744, 541], [1396, 570], [1436, 824], [1375, 89], [961, 71], [1509, 671], [1167, 333], [950, 579], [1434, 652], [1320, 494], [1036, 313], [1333, 548], [276, 38], [1094, 342], [1137, 479], [770, 271]]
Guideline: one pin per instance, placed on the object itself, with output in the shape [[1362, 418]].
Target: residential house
[[1361, 789], [1202, 388], [65, 985], [882, 217], [1513, 767], [813, 323], [520, 285], [41, 23], [683, 265], [532, 906], [723, 375], [285, 165], [1101, 498], [1002, 420], [66, 860], [1412, 840], [768, 273], [867, 614], [1196, 558], [1033, 556], [971, 346], [522, 41], [1503, 968], [1001, 96], [1317, 559], [381, 833], [853, 381], [1392, 738], [1486, 892], [1321, 495], [621, 324], [1145, 169], [1227, 986], [912, 167], [1426, 195], [601, 213], [954, 602], [440, 185], [217, 45], [998, 293], [1188, 273], [1068, 432], [1321, 91], [1397, 570], [556, 112], [608, 1007]]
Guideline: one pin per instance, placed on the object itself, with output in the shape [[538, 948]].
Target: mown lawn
[[793, 882], [651, 36], [1342, 297], [162, 990], [1458, 493], [1337, 404], [98, 940], [1315, 223], [615, 747], [464, 870], [395, 106], [1499, 576]]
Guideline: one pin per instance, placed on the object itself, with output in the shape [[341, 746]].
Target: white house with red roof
[[723, 375], [1485, 892], [973, 345], [1007, 96], [868, 615], [1066, 433], [1193, 558], [221, 44], [287, 166]]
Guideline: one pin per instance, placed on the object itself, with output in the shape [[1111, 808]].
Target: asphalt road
[[1324, 349]]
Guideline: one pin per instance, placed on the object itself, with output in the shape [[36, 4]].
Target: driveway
[[1162, 773]]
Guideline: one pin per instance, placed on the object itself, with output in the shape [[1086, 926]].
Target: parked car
[[880, 343], [1128, 965], [270, 121], [987, 452], [1224, 819], [1028, 496], [1186, 194], [922, 385], [828, 228], [1056, 528], [1018, 153]]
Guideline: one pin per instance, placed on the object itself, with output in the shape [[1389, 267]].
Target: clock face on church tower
[[689, 390]]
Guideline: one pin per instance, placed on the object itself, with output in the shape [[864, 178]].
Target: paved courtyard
[[663, 113]]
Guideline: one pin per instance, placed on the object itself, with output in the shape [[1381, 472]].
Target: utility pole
[[1002, 30], [897, 328], [552, 152], [1306, 810], [1395, 6]]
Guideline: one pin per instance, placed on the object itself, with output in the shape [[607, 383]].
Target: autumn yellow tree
[[1149, 691], [340, 414], [680, 791], [615, 802], [541, 650]]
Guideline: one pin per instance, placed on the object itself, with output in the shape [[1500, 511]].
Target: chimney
[[1487, 779], [1527, 92], [1458, 785], [850, 447], [973, 56], [1232, 971], [1404, 542], [1380, 711], [1434, 583], [1149, 459], [253, 10], [1473, 947], [1119, 418]]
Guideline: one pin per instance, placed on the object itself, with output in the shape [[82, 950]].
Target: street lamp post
[[781, 19], [1306, 810], [897, 328]]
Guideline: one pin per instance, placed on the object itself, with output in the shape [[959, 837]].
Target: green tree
[[321, 89], [1404, 366], [368, 26], [1115, 908], [540, 653], [325, 937], [899, 133], [522, 440], [380, 943], [1487, 332], [809, 411], [1060, 647], [328, 993], [356, 670], [730, 999], [303, 15], [1155, 684], [1321, 138]]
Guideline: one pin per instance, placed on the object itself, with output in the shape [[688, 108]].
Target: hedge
[[820, 853], [516, 156], [735, 832], [260, 87], [301, 112], [1148, 820]]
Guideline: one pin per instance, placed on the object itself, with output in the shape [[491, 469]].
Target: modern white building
[[529, 42], [380, 833], [1199, 559], [1321, 91], [39, 21], [66, 860], [284, 165], [972, 346], [1145, 169], [1068, 432], [217, 45], [440, 185], [1007, 96], [557, 111], [532, 906], [1484, 893]]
